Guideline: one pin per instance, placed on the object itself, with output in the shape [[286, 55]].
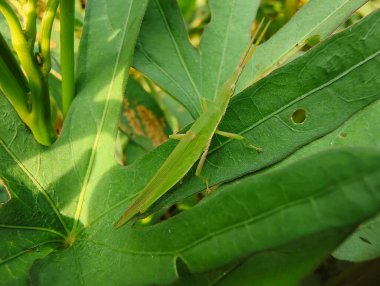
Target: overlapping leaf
[[205, 237], [285, 265], [330, 84]]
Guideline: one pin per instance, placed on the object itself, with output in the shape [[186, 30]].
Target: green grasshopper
[[194, 143]]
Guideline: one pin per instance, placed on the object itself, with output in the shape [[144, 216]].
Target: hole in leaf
[[5, 195], [299, 116]]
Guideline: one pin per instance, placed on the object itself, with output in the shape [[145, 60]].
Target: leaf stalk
[[45, 35], [30, 17], [67, 12]]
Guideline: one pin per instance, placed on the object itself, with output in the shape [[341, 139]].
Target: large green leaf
[[165, 54], [239, 219], [51, 187], [330, 83]]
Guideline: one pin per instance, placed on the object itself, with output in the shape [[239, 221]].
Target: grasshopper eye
[[232, 89]]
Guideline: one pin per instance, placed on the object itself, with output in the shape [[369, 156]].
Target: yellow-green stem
[[39, 120], [12, 64], [12, 90], [45, 35], [41, 124], [30, 17], [67, 9]]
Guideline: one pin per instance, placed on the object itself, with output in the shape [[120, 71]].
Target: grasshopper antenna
[[252, 46]]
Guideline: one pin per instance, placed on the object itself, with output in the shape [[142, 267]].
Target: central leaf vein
[[99, 131]]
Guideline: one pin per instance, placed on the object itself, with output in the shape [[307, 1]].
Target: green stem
[[12, 81], [41, 124], [12, 64], [67, 9], [39, 120], [12, 90], [30, 16], [45, 35]]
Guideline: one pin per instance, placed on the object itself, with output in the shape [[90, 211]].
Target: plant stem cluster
[[26, 65]]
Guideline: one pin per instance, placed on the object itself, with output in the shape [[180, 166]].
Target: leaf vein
[[34, 180]]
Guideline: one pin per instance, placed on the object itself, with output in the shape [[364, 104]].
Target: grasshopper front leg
[[230, 135], [239, 137]]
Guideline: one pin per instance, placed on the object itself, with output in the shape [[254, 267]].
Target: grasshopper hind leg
[[202, 161]]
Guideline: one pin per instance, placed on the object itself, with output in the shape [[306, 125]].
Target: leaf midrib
[[34, 228], [90, 166]]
